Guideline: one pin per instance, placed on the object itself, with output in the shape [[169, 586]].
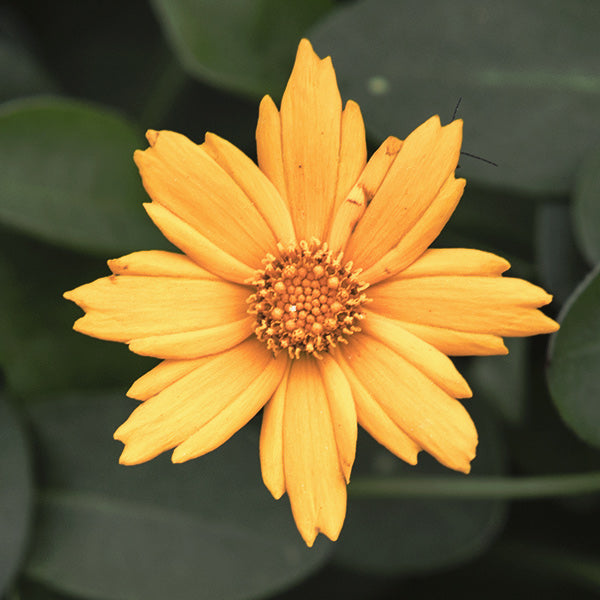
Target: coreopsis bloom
[[306, 288]]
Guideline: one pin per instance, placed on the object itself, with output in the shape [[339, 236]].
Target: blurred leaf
[[586, 207], [559, 262], [15, 494], [156, 531], [573, 374], [116, 56], [542, 444], [20, 72], [242, 46], [415, 535], [39, 352], [502, 381], [528, 77], [68, 177], [495, 221]]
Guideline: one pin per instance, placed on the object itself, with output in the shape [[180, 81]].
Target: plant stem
[[476, 487]]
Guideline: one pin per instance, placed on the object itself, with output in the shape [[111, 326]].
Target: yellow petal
[[122, 308], [457, 343], [497, 305], [343, 413], [193, 344], [197, 247], [314, 481], [182, 177], [162, 376], [268, 145], [234, 416], [255, 184], [423, 233], [181, 409], [430, 361], [353, 206], [271, 441], [455, 261], [159, 264], [311, 114], [353, 151], [373, 418], [427, 158], [433, 419]]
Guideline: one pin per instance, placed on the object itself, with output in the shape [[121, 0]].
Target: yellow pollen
[[306, 300]]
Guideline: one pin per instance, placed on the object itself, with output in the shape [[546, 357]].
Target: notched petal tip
[[152, 136]]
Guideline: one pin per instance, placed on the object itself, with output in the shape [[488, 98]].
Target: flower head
[[306, 288]]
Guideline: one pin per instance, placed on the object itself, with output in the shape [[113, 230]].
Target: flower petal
[[311, 114], [426, 160], [197, 247], [255, 184], [234, 416], [433, 419], [271, 441], [125, 308], [268, 145], [159, 264], [423, 233], [497, 305], [353, 151], [314, 480], [342, 410], [161, 377], [193, 344], [455, 261], [182, 177], [353, 206], [178, 411], [374, 419], [457, 343], [430, 361]]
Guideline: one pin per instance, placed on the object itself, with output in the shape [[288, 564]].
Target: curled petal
[[427, 159]]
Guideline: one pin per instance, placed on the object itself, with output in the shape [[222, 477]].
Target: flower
[[306, 287]]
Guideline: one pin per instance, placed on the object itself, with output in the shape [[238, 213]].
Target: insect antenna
[[485, 160]]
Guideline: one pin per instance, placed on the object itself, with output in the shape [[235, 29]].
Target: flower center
[[306, 300]]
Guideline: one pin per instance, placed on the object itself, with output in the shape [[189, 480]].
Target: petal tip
[[152, 136]]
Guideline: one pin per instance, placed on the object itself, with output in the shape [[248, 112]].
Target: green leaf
[[68, 177], [528, 77], [242, 46], [573, 374], [494, 221], [502, 381], [586, 207], [560, 265], [20, 72], [413, 535], [39, 351], [15, 494], [157, 530]]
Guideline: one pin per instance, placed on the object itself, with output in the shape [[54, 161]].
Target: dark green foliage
[[80, 81]]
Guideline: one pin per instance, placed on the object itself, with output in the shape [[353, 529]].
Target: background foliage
[[80, 81]]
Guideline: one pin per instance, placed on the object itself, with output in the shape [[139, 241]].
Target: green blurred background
[[80, 81]]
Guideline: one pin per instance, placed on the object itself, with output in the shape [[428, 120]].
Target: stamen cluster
[[306, 301]]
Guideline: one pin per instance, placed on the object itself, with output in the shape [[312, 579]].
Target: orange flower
[[306, 287]]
